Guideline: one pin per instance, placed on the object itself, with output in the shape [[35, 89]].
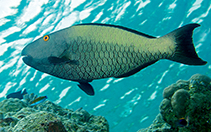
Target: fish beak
[[25, 57]]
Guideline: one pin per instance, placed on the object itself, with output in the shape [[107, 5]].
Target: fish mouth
[[27, 59]]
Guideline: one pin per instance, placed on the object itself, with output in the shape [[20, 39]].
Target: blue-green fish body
[[38, 100], [86, 52], [18, 94]]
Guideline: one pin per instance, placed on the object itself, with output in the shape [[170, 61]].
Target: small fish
[[38, 100], [86, 52], [182, 122], [18, 94]]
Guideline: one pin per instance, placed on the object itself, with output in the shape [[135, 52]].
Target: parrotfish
[[18, 94], [86, 52], [38, 100]]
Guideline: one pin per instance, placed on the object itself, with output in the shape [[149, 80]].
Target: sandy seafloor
[[127, 103]]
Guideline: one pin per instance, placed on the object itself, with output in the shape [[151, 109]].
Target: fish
[[38, 100], [182, 122], [18, 94], [90, 51]]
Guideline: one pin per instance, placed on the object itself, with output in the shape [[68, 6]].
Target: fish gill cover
[[127, 103]]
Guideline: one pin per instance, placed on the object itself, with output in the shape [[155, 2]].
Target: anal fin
[[86, 87]]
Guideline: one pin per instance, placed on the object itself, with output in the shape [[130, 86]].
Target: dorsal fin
[[120, 27]]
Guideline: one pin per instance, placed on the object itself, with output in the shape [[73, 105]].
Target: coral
[[40, 121], [158, 125], [46, 117], [98, 122], [179, 102], [28, 98], [11, 105], [190, 100], [170, 90], [51, 107], [80, 115]]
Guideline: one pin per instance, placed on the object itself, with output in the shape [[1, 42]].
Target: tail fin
[[185, 52], [23, 92]]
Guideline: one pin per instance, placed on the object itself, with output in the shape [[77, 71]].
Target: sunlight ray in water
[[128, 93], [122, 10], [97, 17], [196, 5], [142, 4], [153, 96], [62, 95], [36, 6], [24, 79], [173, 5], [129, 106], [9, 7], [143, 119], [8, 32], [75, 101], [6, 88], [32, 27], [3, 21], [103, 103], [67, 21], [164, 74], [44, 88], [118, 80]]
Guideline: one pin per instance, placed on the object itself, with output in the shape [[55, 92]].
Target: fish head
[[37, 53]]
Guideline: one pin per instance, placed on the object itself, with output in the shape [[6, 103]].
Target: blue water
[[128, 103]]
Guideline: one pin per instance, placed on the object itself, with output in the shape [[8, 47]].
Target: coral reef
[[189, 100], [17, 116], [158, 125]]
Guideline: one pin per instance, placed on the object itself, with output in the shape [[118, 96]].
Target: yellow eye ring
[[46, 38]]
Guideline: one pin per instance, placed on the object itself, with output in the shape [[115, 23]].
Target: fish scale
[[121, 61], [117, 52]]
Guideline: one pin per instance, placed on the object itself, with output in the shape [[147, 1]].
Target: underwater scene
[[162, 81]]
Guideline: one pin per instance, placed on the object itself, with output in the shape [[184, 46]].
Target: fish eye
[[46, 38]]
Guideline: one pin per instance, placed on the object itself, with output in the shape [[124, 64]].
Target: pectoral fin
[[86, 87], [57, 60]]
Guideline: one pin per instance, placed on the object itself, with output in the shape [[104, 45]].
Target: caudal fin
[[185, 52]]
